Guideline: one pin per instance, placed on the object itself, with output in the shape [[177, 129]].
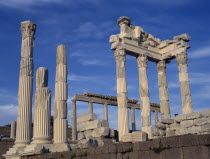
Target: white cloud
[[199, 78], [200, 53], [80, 78], [90, 62]]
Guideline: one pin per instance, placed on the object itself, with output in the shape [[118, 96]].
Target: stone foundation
[[176, 147]]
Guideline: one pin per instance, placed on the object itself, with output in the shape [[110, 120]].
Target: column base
[[60, 147], [14, 152], [148, 130], [134, 136], [35, 149]]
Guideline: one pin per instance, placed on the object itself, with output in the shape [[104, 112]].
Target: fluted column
[[90, 107], [23, 132], [105, 112], [42, 108], [144, 95], [184, 83], [74, 120], [163, 90], [122, 99], [13, 130], [133, 119], [61, 96], [156, 116]]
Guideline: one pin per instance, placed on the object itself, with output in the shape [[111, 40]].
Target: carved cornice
[[28, 29], [161, 65], [142, 60], [120, 55], [182, 58]]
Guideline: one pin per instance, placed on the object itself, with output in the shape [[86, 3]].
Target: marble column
[[133, 119], [13, 130], [122, 99], [42, 108], [105, 112], [24, 119], [144, 95], [61, 96], [74, 120], [90, 107], [163, 90], [156, 116], [184, 83]]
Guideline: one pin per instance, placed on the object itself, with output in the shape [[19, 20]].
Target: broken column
[[163, 90], [144, 95], [13, 130], [74, 120], [122, 99], [23, 132], [41, 130], [61, 96], [184, 83]]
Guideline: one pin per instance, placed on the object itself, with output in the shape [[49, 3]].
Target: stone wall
[[176, 147], [192, 123], [4, 146]]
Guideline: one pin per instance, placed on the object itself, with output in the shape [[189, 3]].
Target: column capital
[[120, 54], [142, 60], [182, 58], [28, 29], [161, 65]]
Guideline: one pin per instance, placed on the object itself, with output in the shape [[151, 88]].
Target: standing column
[[74, 120], [133, 120], [105, 112], [122, 99], [23, 132], [156, 116], [61, 96], [12, 130], [90, 107], [163, 90], [42, 114], [144, 95], [184, 83]]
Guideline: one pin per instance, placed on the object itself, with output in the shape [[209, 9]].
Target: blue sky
[[84, 26]]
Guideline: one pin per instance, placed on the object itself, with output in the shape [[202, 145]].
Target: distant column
[[74, 120], [90, 107], [133, 119], [156, 116], [12, 130], [122, 99], [163, 90], [144, 95], [105, 112], [184, 83], [42, 108], [61, 96], [23, 132]]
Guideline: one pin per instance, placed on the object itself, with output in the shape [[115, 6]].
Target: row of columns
[[42, 109], [120, 57]]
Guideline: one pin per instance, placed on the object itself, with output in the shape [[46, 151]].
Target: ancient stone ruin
[[93, 138]]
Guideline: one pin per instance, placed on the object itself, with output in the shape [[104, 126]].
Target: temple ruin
[[89, 132]]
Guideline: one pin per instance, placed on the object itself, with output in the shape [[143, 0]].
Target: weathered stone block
[[135, 136], [205, 113], [201, 121], [159, 125], [169, 132], [194, 115], [194, 130], [196, 152], [111, 133], [88, 125], [86, 117], [88, 134], [180, 118], [86, 143], [205, 128], [100, 132], [167, 121], [186, 123], [81, 135], [162, 133], [174, 126]]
